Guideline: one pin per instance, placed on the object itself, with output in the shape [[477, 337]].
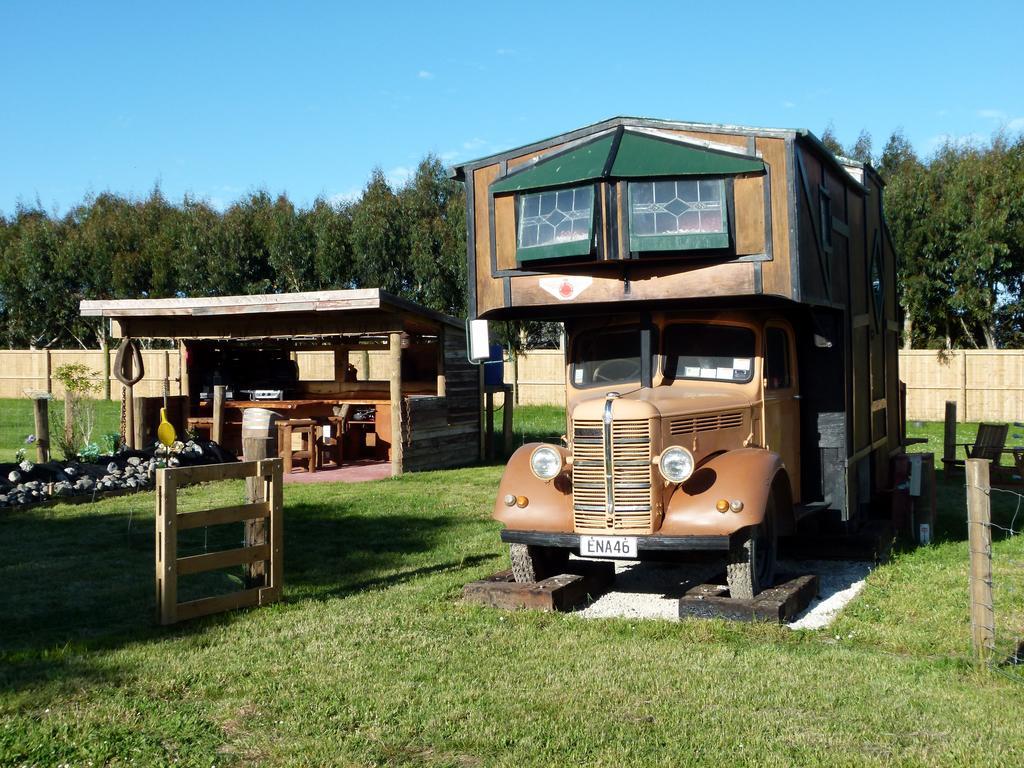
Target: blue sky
[[217, 99]]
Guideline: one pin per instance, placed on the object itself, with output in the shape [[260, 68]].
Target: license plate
[[608, 546]]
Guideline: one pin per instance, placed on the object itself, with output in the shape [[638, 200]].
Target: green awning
[[634, 155], [580, 164]]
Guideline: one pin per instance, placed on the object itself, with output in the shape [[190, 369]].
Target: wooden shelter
[[425, 413]]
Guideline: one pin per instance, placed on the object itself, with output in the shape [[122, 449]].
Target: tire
[[531, 563], [752, 553]]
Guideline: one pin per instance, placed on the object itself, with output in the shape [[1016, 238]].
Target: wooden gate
[[269, 549]]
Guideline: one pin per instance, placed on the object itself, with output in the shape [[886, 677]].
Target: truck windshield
[[703, 351], [606, 356]]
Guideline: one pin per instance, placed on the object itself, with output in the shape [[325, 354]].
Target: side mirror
[[478, 341]]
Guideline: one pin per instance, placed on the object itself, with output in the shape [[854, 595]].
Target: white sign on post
[[479, 341]]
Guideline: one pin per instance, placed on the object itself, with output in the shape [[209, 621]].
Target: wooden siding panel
[[775, 274], [505, 231], [488, 289], [748, 195]]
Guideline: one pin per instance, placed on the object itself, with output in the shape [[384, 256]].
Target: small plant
[[112, 440], [80, 409], [90, 453], [22, 452]]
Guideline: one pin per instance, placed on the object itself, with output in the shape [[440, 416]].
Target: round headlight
[[676, 464], [546, 462]]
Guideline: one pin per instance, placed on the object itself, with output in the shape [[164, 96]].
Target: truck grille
[[709, 423], [630, 486]]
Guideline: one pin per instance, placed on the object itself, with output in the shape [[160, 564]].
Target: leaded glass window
[[554, 217], [680, 207]]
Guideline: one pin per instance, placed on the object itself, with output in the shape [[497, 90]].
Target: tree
[[829, 139], [433, 209], [861, 149], [379, 238]]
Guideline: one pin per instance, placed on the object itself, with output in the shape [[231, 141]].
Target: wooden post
[[979, 542], [963, 381], [166, 548], [442, 382], [128, 395], [483, 412], [105, 350], [217, 428], [41, 405], [395, 378], [949, 435], [258, 426], [139, 423], [489, 426], [366, 365], [48, 371], [506, 422], [274, 493]]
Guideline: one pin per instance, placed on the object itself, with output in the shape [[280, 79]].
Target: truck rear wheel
[[532, 563], [751, 565]]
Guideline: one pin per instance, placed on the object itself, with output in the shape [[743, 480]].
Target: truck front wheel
[[751, 565], [534, 563]]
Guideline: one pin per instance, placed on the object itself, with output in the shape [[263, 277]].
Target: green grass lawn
[[372, 659], [17, 422]]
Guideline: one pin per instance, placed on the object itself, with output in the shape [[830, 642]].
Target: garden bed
[[24, 483]]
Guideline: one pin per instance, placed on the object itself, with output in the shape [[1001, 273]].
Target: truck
[[728, 296]]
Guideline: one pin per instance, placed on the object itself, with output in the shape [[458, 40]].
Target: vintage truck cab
[[728, 298], [683, 434]]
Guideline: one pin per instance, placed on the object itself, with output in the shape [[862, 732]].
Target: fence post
[[166, 547], [979, 542], [949, 435], [41, 405]]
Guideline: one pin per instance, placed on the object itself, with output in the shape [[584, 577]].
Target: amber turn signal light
[[722, 505], [522, 501]]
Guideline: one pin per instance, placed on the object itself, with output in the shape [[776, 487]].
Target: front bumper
[[643, 543]]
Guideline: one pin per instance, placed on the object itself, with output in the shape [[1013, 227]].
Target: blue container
[[494, 368]]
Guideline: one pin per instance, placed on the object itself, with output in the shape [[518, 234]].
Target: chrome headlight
[[545, 462], [676, 464]]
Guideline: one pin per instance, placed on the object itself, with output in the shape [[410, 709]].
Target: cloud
[[425, 75], [933, 143], [398, 175], [475, 143], [449, 155], [1003, 119], [789, 104], [506, 51], [348, 196]]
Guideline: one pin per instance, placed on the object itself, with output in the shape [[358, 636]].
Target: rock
[[14, 476], [134, 461], [62, 488], [131, 482], [111, 468], [70, 471], [3, 499], [25, 466], [173, 461]]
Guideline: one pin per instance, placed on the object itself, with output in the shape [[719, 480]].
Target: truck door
[[782, 401]]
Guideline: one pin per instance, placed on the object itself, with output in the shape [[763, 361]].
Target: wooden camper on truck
[[728, 295]]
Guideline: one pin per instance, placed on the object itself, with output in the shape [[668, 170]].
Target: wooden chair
[[308, 452], [989, 443]]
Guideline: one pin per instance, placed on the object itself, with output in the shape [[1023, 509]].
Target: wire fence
[[996, 574]]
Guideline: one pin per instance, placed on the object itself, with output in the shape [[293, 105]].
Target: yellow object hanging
[[165, 432]]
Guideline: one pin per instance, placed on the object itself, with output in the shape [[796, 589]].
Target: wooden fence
[[22, 370], [987, 385], [266, 549]]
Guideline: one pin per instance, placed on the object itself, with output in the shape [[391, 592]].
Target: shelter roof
[[313, 313]]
